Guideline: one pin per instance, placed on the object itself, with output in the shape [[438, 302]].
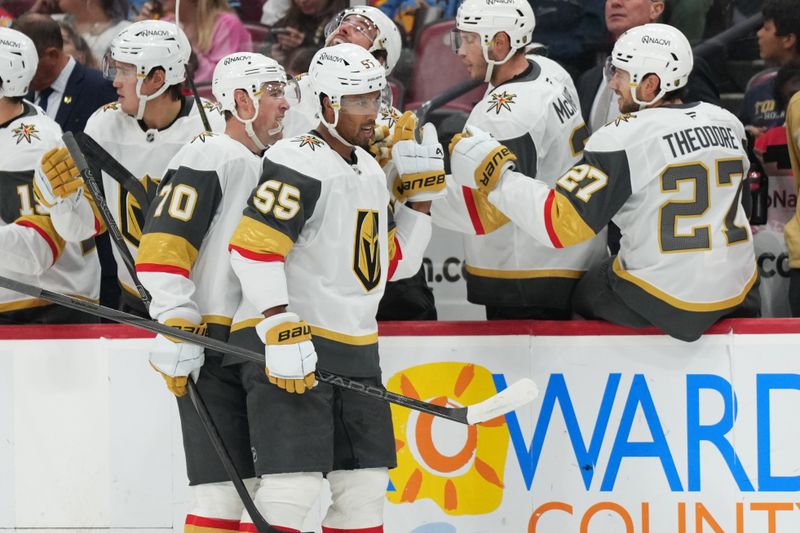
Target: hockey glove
[[56, 178], [290, 355], [176, 360], [384, 139], [420, 168], [477, 160]]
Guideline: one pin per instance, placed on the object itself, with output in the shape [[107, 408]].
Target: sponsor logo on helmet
[[493, 2], [153, 33], [229, 60], [336, 59], [656, 40], [12, 44]]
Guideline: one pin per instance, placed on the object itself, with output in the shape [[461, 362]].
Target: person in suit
[[67, 91], [598, 103]]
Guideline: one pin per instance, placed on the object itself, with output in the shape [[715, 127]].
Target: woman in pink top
[[215, 31]]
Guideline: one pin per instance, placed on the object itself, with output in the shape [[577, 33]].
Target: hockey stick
[[518, 394], [197, 401]]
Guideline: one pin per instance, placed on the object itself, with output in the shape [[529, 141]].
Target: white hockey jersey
[[145, 153], [670, 178], [33, 252], [183, 255], [537, 116], [318, 235]]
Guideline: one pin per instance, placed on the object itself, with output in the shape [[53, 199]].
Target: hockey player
[[183, 263], [532, 107], [143, 130], [318, 243], [32, 250], [668, 173]]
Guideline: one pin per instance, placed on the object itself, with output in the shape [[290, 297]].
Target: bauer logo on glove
[[294, 334], [420, 167]]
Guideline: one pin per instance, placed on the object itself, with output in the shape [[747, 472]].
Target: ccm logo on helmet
[[233, 59], [298, 331], [655, 40], [153, 33], [12, 44]]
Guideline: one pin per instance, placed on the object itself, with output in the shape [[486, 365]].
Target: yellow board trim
[[360, 340], [524, 274], [570, 228], [166, 249], [259, 238], [680, 304]]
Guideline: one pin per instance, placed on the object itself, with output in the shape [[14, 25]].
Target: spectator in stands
[[67, 91], [274, 10], [771, 170], [76, 46], [155, 10], [303, 25], [689, 16], [97, 21], [5, 18], [214, 31], [787, 95], [299, 61], [598, 104]]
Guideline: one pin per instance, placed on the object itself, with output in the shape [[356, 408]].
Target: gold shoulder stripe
[[680, 304], [259, 238], [166, 249], [567, 223]]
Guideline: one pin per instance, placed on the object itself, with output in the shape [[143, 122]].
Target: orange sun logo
[[460, 468], [501, 101], [27, 132], [308, 140]]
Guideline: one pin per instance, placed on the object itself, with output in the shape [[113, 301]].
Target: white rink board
[[643, 435]]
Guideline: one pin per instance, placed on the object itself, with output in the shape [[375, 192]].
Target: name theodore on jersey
[[690, 140]]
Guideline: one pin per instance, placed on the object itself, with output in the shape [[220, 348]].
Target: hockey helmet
[[387, 36], [346, 70], [253, 73], [18, 62], [657, 49], [146, 45], [487, 18]]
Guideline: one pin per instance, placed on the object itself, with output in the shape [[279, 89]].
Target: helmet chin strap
[[144, 99], [490, 63], [332, 128], [248, 125], [642, 104]]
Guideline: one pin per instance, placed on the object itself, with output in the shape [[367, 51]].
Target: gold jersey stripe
[[491, 218], [36, 302], [680, 304], [392, 243], [524, 274], [43, 224], [567, 223], [259, 238], [354, 340], [166, 249], [219, 320]]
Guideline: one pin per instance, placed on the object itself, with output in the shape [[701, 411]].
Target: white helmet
[[18, 62], [342, 70], [487, 18], [388, 36], [146, 45], [657, 49], [249, 72]]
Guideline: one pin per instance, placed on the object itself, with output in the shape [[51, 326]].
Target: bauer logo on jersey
[[308, 140], [501, 101], [26, 132], [367, 249]]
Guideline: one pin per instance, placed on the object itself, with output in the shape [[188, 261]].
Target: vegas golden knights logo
[[367, 249]]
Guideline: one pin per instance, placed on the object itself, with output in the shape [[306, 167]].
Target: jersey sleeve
[[177, 222], [409, 234], [31, 245], [584, 200], [275, 215]]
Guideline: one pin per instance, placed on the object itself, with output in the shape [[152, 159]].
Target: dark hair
[[175, 92], [786, 17], [43, 31], [675, 94], [115, 9], [80, 44], [781, 90]]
